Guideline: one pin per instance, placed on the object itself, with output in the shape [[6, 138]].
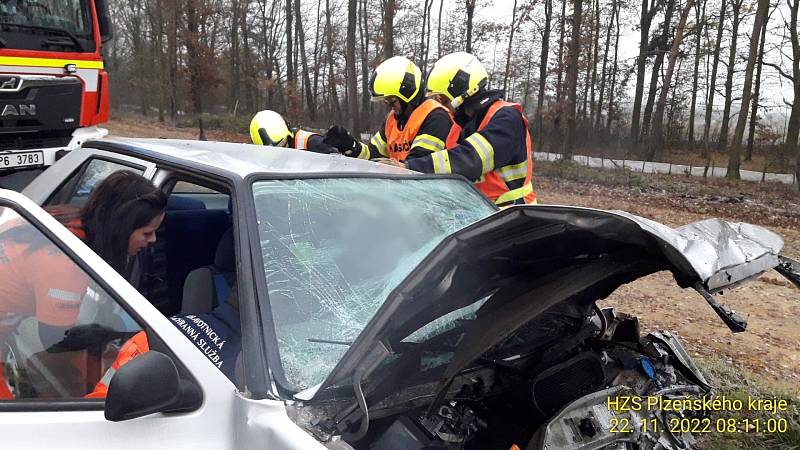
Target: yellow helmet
[[398, 77], [269, 128], [457, 76]]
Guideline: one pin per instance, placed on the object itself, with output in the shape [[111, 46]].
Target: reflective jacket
[[428, 129], [495, 152], [217, 334]]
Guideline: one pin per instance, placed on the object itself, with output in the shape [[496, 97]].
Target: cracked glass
[[334, 248]]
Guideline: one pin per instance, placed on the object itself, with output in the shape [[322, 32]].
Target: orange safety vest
[[301, 139], [134, 347], [493, 185], [398, 142]]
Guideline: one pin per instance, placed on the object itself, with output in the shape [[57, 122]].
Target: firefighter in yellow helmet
[[415, 126], [269, 128], [494, 149]]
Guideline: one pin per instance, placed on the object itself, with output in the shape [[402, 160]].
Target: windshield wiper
[[52, 31]]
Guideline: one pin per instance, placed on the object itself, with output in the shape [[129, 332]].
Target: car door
[[49, 278]]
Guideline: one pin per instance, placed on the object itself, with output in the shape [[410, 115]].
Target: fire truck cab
[[53, 85]]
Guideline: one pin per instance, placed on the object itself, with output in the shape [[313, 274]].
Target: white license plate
[[21, 159]]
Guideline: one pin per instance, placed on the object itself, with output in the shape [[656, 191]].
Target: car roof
[[242, 159]]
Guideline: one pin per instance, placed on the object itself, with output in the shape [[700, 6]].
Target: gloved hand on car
[[317, 145], [338, 137]]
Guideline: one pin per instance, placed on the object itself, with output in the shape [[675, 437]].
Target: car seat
[[207, 286]]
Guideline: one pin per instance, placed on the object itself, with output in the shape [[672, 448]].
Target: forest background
[[708, 81]]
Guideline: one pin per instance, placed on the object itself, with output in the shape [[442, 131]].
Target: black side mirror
[[103, 20], [148, 384]]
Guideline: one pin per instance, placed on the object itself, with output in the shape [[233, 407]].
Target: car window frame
[[76, 175], [284, 388], [79, 404]]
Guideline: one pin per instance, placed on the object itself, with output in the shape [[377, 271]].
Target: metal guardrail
[[667, 168]]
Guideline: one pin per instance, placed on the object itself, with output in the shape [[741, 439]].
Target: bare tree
[[736, 8], [713, 82], [734, 154], [301, 37], [572, 78], [389, 7], [658, 121], [700, 23], [470, 4], [548, 16], [754, 110], [352, 76], [649, 10], [510, 45]]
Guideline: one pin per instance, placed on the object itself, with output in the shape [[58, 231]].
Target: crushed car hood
[[526, 259]]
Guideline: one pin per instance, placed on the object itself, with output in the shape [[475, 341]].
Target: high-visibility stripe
[[301, 139], [380, 144], [514, 171], [485, 151], [515, 194], [441, 162], [364, 153], [428, 142], [48, 62]]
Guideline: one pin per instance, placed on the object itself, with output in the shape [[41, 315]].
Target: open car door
[[64, 314]]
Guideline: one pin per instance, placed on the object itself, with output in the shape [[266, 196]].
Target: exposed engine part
[[574, 378], [451, 426], [589, 423]]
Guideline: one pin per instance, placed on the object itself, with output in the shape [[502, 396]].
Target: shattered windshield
[[333, 250]]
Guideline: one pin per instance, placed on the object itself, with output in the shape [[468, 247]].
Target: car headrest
[[179, 203], [225, 257]]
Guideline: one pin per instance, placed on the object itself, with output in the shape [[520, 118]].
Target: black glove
[[338, 137], [317, 145]]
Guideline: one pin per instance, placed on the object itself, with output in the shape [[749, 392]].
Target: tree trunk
[[330, 56], [572, 78], [365, 101], [389, 7], [604, 71], [592, 104], [613, 73], [352, 76], [754, 110], [726, 113], [559, 109], [700, 24], [713, 82], [793, 128], [291, 79], [510, 45], [311, 103], [658, 122], [548, 16], [439, 31], [734, 154], [644, 43], [470, 4], [660, 47]]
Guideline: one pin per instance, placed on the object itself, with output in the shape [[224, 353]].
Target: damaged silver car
[[380, 309]]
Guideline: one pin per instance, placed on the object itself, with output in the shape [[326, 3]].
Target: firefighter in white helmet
[[269, 128], [494, 149], [415, 126]]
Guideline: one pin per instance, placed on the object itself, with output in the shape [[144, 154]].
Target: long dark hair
[[120, 204]]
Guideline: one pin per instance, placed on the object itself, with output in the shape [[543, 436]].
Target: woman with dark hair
[[38, 280], [121, 217]]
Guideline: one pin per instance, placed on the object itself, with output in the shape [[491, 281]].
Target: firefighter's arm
[[432, 134], [480, 153], [132, 348], [59, 286]]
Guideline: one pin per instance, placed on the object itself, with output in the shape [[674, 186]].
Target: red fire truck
[[53, 86]]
